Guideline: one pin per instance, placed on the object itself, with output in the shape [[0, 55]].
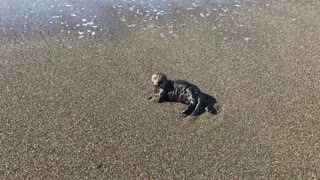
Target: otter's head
[[159, 80]]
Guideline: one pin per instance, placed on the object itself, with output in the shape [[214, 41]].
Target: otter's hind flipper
[[210, 109], [209, 103]]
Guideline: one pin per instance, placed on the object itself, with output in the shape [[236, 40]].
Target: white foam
[[88, 23], [247, 39]]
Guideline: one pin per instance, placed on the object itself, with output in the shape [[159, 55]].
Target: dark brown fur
[[180, 91]]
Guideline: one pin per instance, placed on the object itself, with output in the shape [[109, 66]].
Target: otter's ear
[[165, 78]]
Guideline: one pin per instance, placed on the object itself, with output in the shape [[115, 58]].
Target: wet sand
[[77, 108]]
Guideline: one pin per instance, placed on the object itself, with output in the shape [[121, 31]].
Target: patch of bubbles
[[87, 18]]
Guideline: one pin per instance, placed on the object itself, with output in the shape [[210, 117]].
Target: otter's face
[[158, 80]]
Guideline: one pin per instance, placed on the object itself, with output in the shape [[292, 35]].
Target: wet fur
[[183, 92]]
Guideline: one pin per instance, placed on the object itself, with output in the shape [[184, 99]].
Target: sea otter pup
[[180, 91]]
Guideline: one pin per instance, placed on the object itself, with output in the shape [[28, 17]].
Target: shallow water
[[88, 18]]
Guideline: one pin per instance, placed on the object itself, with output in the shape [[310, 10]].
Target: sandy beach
[[77, 108]]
